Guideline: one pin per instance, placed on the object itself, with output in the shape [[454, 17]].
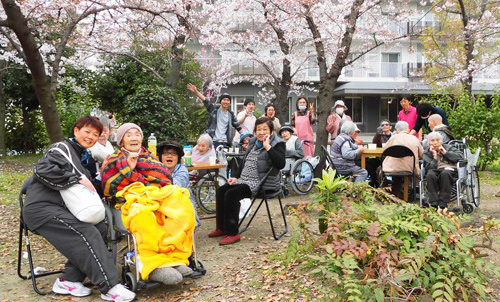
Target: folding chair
[[400, 151], [24, 231], [265, 195]]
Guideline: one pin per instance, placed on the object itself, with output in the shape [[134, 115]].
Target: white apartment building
[[370, 87]]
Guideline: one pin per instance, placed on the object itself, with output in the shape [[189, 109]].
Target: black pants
[[228, 206], [84, 246], [371, 166], [439, 185]]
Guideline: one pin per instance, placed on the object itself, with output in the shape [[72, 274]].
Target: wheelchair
[[466, 191], [300, 176], [125, 256]]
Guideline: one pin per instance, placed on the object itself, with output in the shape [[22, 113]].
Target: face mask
[[339, 110], [302, 107]]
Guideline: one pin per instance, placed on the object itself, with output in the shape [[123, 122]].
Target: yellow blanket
[[162, 221]]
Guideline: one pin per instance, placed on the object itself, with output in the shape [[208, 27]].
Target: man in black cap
[[221, 119]]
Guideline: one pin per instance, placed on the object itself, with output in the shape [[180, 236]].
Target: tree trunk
[[3, 111], [19, 24], [328, 79], [281, 89], [177, 54]]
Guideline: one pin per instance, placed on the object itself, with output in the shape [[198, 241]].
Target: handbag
[[83, 203]]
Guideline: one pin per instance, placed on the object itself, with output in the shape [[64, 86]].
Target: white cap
[[340, 103], [356, 129]]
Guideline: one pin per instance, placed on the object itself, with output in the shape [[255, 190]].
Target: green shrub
[[385, 252], [156, 111], [478, 120]]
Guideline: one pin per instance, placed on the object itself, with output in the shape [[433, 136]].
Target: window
[[373, 65], [354, 108], [238, 101], [312, 67], [390, 64], [389, 108]]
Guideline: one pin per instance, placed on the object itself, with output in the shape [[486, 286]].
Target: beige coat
[[392, 164]]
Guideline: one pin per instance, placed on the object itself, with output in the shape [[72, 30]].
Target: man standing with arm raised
[[221, 119]]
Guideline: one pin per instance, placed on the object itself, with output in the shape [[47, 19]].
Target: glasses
[[383, 125], [170, 153]]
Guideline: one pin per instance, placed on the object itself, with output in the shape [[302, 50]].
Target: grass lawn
[[13, 172]]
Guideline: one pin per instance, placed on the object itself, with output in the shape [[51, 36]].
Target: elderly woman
[[203, 150], [266, 150], [170, 154], [294, 150], [103, 147], [133, 163], [345, 152], [270, 112], [440, 162], [82, 243]]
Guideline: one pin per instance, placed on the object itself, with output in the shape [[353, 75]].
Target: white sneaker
[[119, 294], [76, 289]]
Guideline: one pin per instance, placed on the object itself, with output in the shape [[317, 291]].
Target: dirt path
[[234, 273]]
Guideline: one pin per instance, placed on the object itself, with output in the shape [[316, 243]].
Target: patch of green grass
[[494, 166], [10, 185], [490, 177], [25, 159]]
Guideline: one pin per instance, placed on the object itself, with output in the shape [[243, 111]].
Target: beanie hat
[[123, 129], [244, 135], [224, 95]]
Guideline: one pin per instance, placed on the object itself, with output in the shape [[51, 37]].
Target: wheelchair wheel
[[205, 192], [302, 174], [130, 280], [473, 188], [467, 208]]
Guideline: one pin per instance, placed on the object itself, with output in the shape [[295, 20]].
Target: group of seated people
[[125, 173], [440, 160]]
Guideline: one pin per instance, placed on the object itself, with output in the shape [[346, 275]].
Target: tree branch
[[4, 23], [13, 43], [135, 59]]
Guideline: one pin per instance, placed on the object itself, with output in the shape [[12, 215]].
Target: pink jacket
[[333, 124], [392, 164]]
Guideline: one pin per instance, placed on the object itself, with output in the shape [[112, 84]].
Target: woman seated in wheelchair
[[345, 152], [170, 154], [203, 150], [440, 163], [83, 244], [265, 150], [159, 215], [294, 150]]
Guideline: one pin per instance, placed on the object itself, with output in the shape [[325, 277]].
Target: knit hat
[[245, 134], [224, 95], [123, 129]]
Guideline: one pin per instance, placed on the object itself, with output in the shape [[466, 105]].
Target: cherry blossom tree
[[48, 34], [464, 45], [263, 35]]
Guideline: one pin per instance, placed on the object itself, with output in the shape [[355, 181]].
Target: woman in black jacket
[[265, 150], [82, 243]]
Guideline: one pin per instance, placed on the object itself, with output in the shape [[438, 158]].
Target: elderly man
[[392, 164], [345, 151], [440, 161]]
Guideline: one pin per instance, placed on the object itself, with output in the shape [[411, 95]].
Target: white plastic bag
[[84, 204], [245, 205]]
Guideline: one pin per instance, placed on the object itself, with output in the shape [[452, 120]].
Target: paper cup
[[372, 146], [236, 150], [212, 160]]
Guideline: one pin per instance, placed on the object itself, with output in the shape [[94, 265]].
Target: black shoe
[[455, 210]]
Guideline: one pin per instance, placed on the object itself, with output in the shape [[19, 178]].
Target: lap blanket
[[162, 221]]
